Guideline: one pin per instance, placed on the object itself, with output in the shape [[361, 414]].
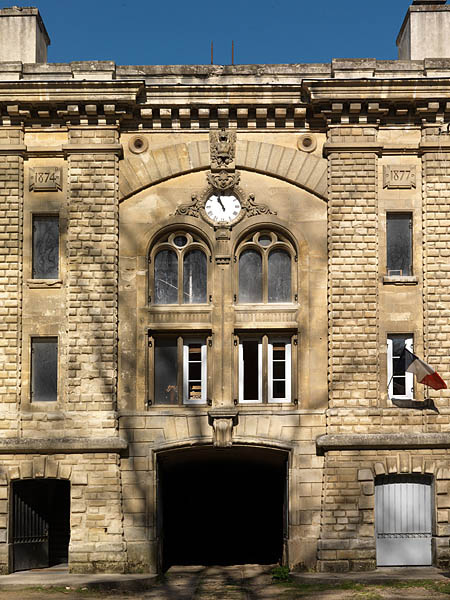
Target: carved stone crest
[[223, 180], [222, 148]]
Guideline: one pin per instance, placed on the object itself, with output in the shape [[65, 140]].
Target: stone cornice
[[380, 441], [53, 92], [61, 445], [371, 89]]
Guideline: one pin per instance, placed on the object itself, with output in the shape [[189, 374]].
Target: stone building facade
[[201, 302]]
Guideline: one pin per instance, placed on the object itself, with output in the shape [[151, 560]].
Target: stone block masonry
[[436, 268], [11, 222], [92, 251], [353, 271]]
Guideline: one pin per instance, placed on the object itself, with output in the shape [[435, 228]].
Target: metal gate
[[403, 520], [40, 523]]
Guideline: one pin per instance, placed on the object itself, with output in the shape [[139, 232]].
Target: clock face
[[222, 209]]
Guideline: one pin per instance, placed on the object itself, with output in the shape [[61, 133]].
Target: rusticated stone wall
[[353, 270], [11, 223], [96, 542], [436, 268], [92, 251], [348, 515]]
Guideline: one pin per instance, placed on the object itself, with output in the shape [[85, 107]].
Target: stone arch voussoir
[[139, 171], [41, 467]]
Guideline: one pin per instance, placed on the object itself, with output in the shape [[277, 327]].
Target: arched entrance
[[40, 523], [222, 506]]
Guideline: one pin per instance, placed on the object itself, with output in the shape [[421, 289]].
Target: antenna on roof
[[232, 52], [212, 54]]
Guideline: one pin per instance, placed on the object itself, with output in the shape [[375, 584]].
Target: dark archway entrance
[[41, 523], [222, 506]]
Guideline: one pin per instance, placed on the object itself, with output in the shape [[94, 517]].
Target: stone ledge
[[93, 149], [62, 445], [378, 441], [400, 279], [351, 146]]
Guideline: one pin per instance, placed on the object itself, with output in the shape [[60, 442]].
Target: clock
[[222, 208]]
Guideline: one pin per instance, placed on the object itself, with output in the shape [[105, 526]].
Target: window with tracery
[[265, 268], [179, 270]]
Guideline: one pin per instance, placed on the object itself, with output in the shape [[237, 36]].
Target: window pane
[[166, 371], [45, 247], [400, 382], [279, 389], [251, 370], [250, 277], [44, 369], [399, 243], [279, 371], [398, 386], [279, 276], [166, 277], [194, 391], [194, 277]]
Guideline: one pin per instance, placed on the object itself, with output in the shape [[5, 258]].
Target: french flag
[[424, 373]]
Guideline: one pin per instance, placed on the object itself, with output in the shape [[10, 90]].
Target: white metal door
[[403, 521]]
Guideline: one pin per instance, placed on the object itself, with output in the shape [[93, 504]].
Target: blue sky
[[180, 31]]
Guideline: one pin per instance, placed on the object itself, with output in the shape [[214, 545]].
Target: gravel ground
[[239, 583]]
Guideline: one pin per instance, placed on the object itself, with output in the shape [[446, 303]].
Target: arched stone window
[[178, 270], [265, 268]]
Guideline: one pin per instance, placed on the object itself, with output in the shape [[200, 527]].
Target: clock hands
[[221, 203]]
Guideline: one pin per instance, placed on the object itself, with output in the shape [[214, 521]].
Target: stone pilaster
[[11, 222], [353, 268], [436, 256], [92, 252]]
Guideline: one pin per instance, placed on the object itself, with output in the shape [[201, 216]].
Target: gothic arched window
[[265, 268], [179, 274]]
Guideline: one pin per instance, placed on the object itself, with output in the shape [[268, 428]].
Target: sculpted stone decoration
[[222, 204], [223, 180], [222, 421], [222, 148], [254, 210], [192, 209]]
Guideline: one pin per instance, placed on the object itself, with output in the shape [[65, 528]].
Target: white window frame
[[409, 377], [203, 397], [243, 400], [288, 372]]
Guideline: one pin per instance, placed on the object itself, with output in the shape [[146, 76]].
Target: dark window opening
[[166, 371], [44, 369], [399, 243], [251, 368], [45, 263], [41, 523], [221, 508]]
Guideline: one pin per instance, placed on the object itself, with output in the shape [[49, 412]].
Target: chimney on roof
[[23, 36], [425, 32]]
